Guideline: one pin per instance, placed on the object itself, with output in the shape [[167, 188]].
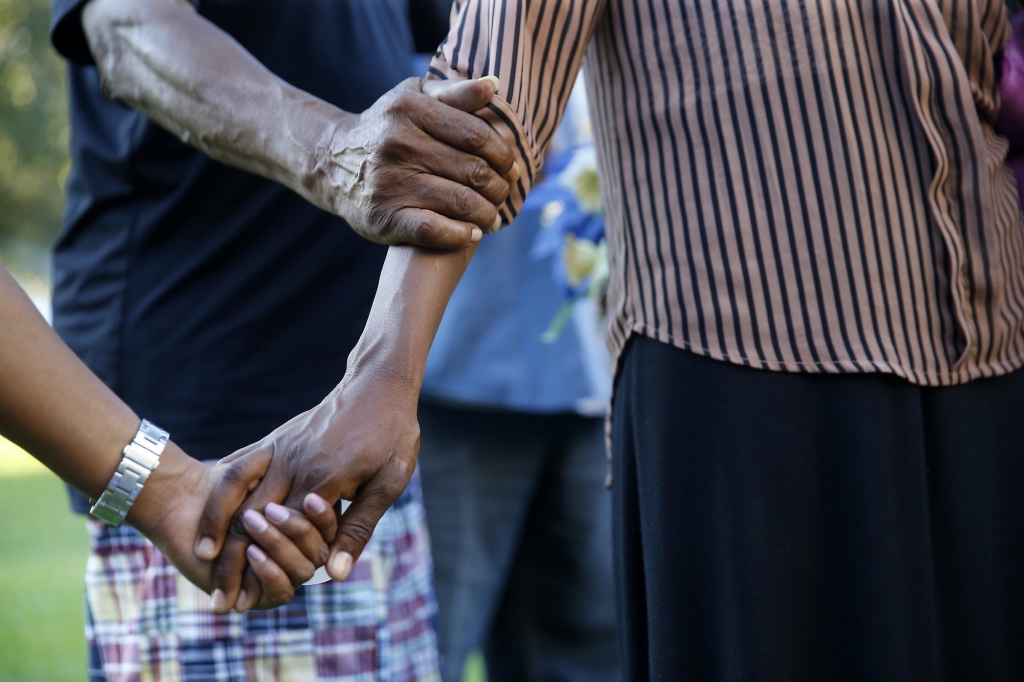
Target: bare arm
[[362, 441], [408, 170], [54, 407]]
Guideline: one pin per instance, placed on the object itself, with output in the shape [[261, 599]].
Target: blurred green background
[[42, 545], [33, 141]]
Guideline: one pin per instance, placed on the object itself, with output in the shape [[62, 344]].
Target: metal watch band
[[141, 457]]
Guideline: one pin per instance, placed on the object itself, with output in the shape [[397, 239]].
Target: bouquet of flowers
[[572, 234]]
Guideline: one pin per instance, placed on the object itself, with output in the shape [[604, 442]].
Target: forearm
[[415, 286], [51, 404], [165, 60], [60, 412]]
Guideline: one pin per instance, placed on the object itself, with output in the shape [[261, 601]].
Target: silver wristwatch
[[141, 457]]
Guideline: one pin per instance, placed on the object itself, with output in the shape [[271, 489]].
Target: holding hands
[[418, 169], [169, 509]]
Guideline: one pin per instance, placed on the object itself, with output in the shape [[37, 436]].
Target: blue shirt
[[488, 351], [214, 302]]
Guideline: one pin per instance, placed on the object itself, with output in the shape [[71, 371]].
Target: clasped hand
[[360, 444]]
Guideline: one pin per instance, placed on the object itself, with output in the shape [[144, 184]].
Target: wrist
[[386, 360], [318, 175], [176, 474]]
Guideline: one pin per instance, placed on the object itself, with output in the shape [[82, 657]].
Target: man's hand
[[416, 168], [407, 171], [290, 547], [359, 444]]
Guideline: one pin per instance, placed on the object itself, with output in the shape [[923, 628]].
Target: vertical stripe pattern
[[793, 186]]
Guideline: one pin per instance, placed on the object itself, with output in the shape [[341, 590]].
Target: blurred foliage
[[33, 132]]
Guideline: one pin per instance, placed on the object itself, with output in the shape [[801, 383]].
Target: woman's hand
[[291, 546]]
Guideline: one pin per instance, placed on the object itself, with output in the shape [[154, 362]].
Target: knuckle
[[328, 530], [305, 572], [427, 232], [498, 193], [357, 531], [479, 173], [460, 200], [477, 136], [396, 144], [402, 103], [234, 474], [236, 528], [282, 594], [506, 157]]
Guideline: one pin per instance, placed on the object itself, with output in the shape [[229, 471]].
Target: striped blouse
[[789, 185]]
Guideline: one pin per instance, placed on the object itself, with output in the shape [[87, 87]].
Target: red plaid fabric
[[145, 622]]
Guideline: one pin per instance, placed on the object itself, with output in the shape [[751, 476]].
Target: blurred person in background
[[513, 460], [215, 269]]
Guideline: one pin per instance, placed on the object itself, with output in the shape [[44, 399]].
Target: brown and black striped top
[[791, 185]]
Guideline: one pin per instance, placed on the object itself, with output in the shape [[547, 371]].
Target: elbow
[[107, 25], [119, 33]]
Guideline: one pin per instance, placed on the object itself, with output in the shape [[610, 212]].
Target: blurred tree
[[33, 131]]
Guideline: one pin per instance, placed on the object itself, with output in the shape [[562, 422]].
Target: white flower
[[580, 176], [581, 257]]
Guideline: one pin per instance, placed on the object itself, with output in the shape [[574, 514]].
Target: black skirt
[[774, 526]]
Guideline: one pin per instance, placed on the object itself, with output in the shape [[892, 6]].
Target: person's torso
[[811, 186], [215, 302]]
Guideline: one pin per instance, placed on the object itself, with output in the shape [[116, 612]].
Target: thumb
[[239, 477], [356, 525], [468, 95]]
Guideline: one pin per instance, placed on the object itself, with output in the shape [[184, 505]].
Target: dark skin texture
[[416, 168], [409, 170], [54, 407], [362, 441]]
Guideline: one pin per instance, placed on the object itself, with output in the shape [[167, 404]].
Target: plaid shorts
[[145, 622]]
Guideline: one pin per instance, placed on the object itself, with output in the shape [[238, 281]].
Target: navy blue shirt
[[214, 302]]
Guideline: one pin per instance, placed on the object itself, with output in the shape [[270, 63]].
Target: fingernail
[[315, 504], [220, 601], [277, 513], [257, 555], [205, 549], [494, 80], [240, 602], [254, 521], [477, 235], [513, 174], [341, 565], [496, 225]]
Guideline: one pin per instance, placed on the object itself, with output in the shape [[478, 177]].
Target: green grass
[[43, 548], [475, 671]]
